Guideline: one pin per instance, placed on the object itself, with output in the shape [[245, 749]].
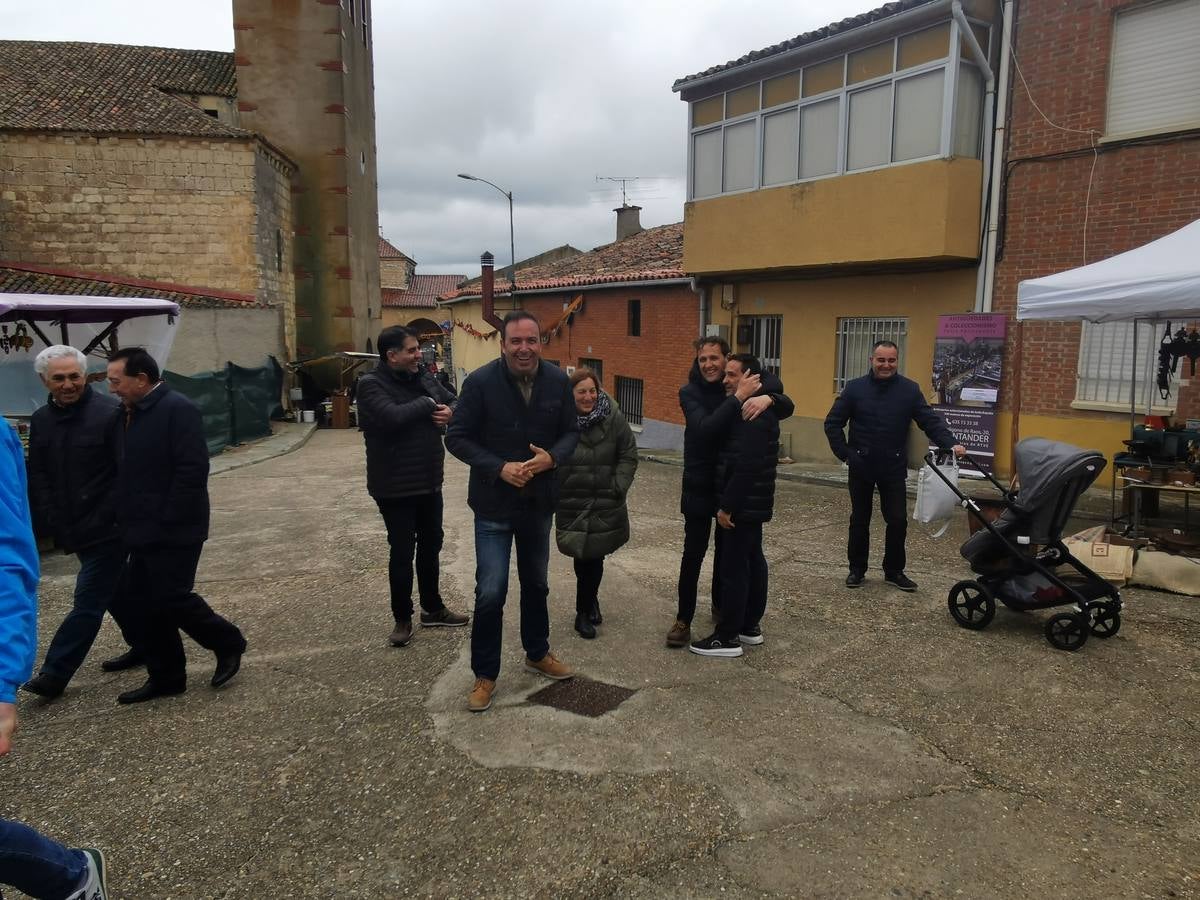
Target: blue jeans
[[95, 586], [38, 866], [493, 549]]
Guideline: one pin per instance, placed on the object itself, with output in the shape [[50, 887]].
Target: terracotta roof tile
[[651, 255], [423, 293], [387, 250], [809, 37], [112, 88], [19, 278]]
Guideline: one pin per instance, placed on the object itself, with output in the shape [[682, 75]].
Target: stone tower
[[305, 82]]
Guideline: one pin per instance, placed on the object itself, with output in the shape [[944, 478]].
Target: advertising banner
[[968, 361]]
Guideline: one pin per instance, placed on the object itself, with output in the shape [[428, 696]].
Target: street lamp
[[512, 274]]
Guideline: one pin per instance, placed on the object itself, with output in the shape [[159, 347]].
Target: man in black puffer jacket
[[73, 449], [402, 410], [710, 413], [745, 491], [879, 407]]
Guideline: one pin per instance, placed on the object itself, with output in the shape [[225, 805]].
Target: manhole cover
[[582, 696]]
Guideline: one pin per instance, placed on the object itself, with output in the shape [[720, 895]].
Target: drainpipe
[[487, 263], [700, 291], [989, 147], [987, 268]]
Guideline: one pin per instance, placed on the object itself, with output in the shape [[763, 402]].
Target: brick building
[[624, 309], [1107, 160]]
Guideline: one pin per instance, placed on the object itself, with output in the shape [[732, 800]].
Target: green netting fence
[[236, 403]]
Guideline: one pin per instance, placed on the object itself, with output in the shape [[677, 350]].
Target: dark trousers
[[588, 575], [413, 524], [894, 504], [37, 865], [530, 531], [160, 583], [696, 530], [100, 569], [743, 579]]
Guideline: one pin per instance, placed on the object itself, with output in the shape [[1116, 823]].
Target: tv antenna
[[624, 181]]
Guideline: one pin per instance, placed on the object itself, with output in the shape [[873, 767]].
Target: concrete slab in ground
[[869, 748]]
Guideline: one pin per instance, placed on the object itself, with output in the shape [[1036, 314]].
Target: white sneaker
[[95, 887]]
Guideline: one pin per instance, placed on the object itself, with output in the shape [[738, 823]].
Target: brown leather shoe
[[680, 634], [550, 666], [402, 635], [480, 697]]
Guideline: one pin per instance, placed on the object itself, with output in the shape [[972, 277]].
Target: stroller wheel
[[972, 605], [1106, 623], [1067, 631]]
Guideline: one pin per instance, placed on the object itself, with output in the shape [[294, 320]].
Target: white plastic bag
[[936, 500]]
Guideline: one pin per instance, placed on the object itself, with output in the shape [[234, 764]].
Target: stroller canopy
[[1043, 467]]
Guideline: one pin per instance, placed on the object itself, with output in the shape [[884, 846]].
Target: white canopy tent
[[87, 323], [1156, 282]]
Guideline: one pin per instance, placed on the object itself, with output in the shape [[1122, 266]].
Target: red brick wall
[[1138, 192], [661, 356]]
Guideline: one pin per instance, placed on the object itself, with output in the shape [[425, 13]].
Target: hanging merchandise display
[[1174, 348], [19, 340]]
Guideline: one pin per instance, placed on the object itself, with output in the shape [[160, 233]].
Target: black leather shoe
[[901, 581], [44, 685], [150, 690], [596, 618], [227, 667], [855, 579], [583, 624], [130, 659], [401, 634]]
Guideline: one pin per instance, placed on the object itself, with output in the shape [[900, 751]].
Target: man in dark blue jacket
[[879, 407], [709, 413], [515, 421], [162, 517], [402, 410], [744, 486], [73, 448]]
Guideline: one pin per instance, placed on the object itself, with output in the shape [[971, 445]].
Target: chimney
[[487, 264], [628, 221]]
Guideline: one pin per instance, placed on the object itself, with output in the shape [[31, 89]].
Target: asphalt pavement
[[869, 748]]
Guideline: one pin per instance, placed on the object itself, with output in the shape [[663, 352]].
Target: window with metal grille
[[1106, 364], [766, 340], [635, 318], [856, 337], [629, 398], [596, 365]]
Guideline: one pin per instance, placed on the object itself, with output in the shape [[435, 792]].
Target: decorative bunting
[[474, 332]]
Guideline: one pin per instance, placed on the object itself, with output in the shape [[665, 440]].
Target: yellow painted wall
[[468, 351], [921, 211], [810, 310]]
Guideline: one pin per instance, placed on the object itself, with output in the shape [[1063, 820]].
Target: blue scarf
[[598, 414]]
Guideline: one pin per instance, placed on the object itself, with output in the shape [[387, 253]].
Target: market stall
[[96, 325], [334, 409], [1151, 286]]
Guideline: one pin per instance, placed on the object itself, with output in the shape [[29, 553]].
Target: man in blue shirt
[[29, 862]]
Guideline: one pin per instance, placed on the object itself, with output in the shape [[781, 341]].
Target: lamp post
[[512, 274]]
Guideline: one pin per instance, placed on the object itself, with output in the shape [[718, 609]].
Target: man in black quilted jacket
[[402, 410], [879, 407], [745, 489]]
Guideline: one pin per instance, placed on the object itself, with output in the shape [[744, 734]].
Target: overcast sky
[[540, 97]]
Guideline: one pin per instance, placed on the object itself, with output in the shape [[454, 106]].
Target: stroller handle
[[931, 459]]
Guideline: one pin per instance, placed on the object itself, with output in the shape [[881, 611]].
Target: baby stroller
[[1017, 557]]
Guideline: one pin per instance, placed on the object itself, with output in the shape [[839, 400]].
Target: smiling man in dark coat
[[73, 446], [879, 407], [402, 410], [514, 423], [162, 516]]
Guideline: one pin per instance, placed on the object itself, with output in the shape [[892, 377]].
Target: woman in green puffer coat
[[592, 520]]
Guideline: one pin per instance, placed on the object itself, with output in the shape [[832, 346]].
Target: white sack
[[936, 500]]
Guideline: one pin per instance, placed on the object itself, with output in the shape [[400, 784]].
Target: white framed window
[[855, 338], [877, 106], [766, 340], [1154, 72], [1105, 372]]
